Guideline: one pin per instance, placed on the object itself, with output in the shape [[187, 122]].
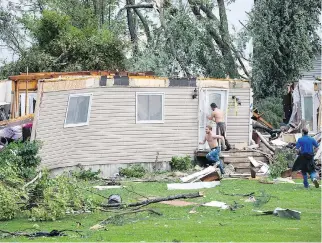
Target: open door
[[206, 97]]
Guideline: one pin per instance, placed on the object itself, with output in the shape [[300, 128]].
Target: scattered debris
[[265, 142], [97, 227], [318, 154], [283, 180], [214, 176], [191, 186], [254, 146], [106, 187], [262, 199], [250, 199], [221, 205], [199, 174], [114, 199], [254, 162], [287, 213], [278, 142], [179, 174], [283, 213]]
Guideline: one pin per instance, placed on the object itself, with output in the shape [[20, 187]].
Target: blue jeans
[[305, 181], [213, 158]]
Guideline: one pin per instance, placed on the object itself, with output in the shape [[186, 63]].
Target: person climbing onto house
[[213, 155], [217, 116], [305, 160]]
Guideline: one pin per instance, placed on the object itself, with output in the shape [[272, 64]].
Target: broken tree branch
[[156, 200], [105, 221], [144, 23], [32, 181]]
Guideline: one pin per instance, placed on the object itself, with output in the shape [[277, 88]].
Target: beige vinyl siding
[[113, 135], [238, 125]]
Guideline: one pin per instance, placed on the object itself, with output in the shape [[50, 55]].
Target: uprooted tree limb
[[155, 200]]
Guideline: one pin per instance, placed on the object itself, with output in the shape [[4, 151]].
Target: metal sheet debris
[[217, 204], [287, 213]]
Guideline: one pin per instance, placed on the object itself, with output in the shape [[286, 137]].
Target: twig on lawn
[[238, 194]]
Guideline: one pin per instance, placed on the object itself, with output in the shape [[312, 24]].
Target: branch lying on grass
[[156, 200], [237, 194], [53, 233], [105, 221]]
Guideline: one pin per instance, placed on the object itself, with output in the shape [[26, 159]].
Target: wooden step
[[242, 170], [241, 160], [241, 153]]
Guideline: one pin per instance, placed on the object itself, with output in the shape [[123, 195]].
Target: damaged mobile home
[[303, 101], [105, 122]]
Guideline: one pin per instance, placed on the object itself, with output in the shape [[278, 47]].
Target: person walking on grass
[[213, 155], [305, 160], [217, 115]]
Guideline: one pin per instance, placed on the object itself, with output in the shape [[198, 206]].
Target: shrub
[[23, 156], [283, 159], [57, 196], [8, 203], [86, 175], [181, 163], [136, 171], [272, 110]]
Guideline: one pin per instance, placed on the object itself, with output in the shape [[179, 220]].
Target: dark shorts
[[221, 129]]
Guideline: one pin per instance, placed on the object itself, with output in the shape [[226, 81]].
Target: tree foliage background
[[187, 37]]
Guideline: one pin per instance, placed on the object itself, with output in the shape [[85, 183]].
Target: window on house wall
[[149, 107], [308, 111], [78, 110]]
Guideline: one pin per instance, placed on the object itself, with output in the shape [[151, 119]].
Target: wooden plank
[[254, 162]]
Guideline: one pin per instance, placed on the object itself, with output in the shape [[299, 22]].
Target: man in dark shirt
[[305, 160]]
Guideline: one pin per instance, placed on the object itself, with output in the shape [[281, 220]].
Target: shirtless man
[[213, 155], [217, 115]]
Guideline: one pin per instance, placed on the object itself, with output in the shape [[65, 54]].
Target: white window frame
[[88, 112], [314, 128], [136, 107]]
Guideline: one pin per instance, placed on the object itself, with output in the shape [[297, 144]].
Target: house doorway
[[206, 97]]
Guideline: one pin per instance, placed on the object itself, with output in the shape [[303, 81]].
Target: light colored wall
[[238, 124], [5, 91], [113, 137]]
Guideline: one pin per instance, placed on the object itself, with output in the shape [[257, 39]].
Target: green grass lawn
[[208, 224]]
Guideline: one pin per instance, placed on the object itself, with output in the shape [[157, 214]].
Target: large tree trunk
[[144, 23], [132, 26], [222, 37]]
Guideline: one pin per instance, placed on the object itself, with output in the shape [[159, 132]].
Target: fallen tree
[[155, 200]]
